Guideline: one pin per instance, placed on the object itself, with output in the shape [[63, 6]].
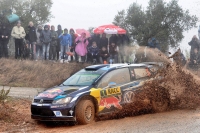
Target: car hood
[[60, 91]]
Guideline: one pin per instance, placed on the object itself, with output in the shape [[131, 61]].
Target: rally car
[[93, 91]]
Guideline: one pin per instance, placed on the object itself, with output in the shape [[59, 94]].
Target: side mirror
[[112, 84]]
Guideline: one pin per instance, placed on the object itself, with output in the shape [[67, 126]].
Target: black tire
[[160, 103], [85, 112]]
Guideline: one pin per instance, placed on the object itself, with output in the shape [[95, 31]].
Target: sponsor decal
[[128, 96], [51, 93], [57, 113], [107, 98], [111, 92], [111, 101]]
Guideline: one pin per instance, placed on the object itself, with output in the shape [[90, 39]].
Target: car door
[[111, 89], [138, 77]]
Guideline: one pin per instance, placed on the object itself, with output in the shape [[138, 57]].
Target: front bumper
[[53, 118], [48, 112]]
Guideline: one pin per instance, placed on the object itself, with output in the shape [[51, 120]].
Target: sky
[[93, 13]]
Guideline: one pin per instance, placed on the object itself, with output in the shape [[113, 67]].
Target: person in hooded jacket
[[59, 32], [53, 44], [4, 35], [39, 43], [32, 38], [66, 43], [194, 43], [93, 53], [81, 47], [45, 38]]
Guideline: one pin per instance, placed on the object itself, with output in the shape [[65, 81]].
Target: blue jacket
[[65, 40], [93, 51]]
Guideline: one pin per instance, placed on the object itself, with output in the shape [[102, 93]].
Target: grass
[[40, 74]]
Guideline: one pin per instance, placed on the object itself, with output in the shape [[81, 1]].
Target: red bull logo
[[111, 101]]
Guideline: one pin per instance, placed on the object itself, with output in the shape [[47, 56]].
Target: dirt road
[[184, 121], [23, 92], [179, 121]]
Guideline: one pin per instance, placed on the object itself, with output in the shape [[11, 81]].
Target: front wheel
[[85, 112]]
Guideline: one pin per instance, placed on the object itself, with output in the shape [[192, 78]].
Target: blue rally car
[[93, 91]]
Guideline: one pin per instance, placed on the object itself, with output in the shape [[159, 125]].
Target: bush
[[4, 94]]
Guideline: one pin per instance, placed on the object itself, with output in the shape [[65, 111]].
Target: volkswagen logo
[[129, 97], [41, 100]]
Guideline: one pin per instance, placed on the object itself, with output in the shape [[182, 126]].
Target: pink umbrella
[[80, 31], [109, 29]]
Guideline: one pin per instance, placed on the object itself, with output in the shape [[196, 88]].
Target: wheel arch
[[89, 97]]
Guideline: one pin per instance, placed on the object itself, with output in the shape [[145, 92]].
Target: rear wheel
[[85, 112], [160, 102]]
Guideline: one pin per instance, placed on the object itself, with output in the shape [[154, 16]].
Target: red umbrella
[[80, 31], [109, 29]]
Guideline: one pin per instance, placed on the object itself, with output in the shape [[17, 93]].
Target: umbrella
[[80, 31], [109, 29]]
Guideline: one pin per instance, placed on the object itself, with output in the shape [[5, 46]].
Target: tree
[[37, 11], [164, 21]]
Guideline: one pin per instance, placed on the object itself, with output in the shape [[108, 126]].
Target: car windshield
[[82, 79]]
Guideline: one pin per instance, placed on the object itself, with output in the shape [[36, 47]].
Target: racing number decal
[[110, 92]]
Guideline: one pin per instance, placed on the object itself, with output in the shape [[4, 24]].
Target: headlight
[[62, 101]]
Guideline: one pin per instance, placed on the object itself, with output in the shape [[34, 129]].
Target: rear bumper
[[53, 118]]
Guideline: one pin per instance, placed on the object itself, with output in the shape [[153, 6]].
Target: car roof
[[107, 67]]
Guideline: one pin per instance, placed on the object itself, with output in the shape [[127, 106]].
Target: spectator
[[38, 43], [32, 38], [195, 59], [93, 53], [59, 32], [5, 35], [96, 38], [90, 41], [73, 36], [45, 38], [121, 48], [113, 39], [66, 43], [194, 43], [153, 43], [53, 44], [103, 41], [81, 47], [18, 33], [104, 56], [113, 50]]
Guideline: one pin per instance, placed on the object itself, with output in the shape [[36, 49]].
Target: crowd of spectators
[[47, 43]]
